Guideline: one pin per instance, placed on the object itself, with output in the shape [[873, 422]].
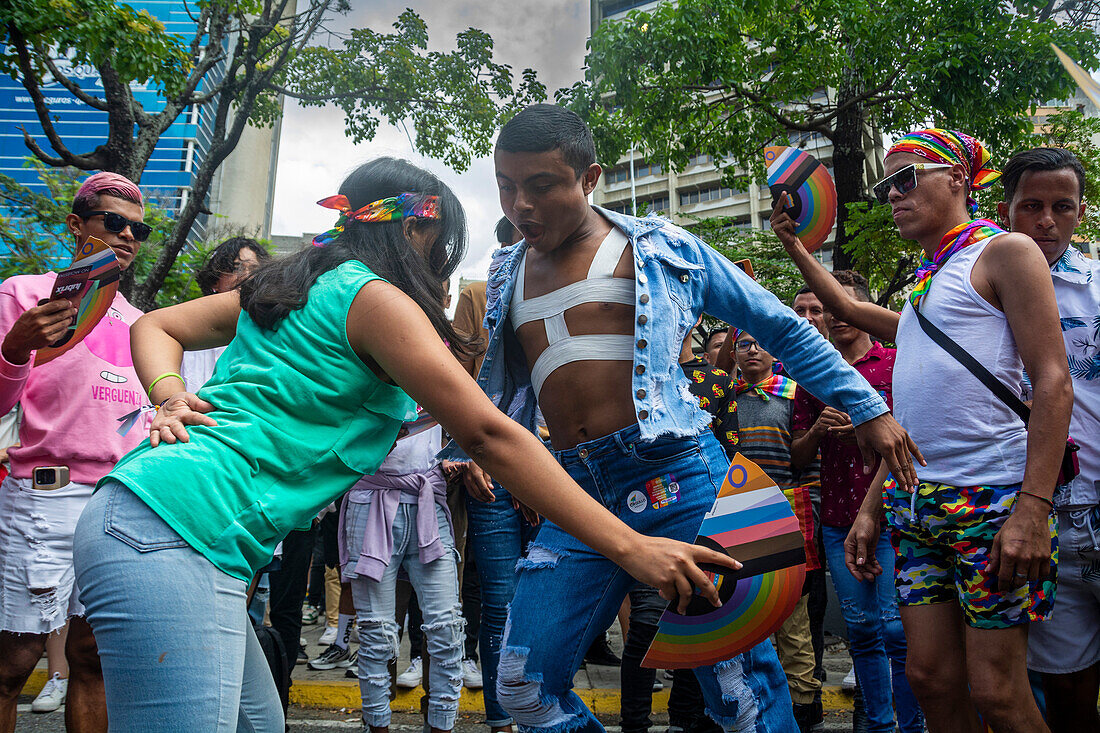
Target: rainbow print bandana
[[401, 206], [774, 386], [961, 236], [953, 148]]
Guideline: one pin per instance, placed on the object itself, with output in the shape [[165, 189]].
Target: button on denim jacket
[[677, 276]]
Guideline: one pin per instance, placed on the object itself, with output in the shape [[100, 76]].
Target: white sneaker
[[52, 695], [411, 677], [471, 675], [849, 681], [328, 636]]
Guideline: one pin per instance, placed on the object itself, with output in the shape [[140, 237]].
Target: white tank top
[[600, 286], [967, 435]]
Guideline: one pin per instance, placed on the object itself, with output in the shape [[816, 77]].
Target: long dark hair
[[282, 286]]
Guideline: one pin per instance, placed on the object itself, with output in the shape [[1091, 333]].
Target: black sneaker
[[302, 656], [333, 657], [351, 673], [809, 717], [600, 653]]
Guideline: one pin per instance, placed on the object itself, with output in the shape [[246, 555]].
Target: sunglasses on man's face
[[115, 223], [904, 180]]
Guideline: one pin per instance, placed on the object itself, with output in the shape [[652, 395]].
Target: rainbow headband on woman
[[401, 206], [953, 148]]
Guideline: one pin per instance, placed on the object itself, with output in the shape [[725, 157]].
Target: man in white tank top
[[1044, 192], [976, 542]]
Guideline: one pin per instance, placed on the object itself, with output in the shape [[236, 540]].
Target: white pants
[[36, 553]]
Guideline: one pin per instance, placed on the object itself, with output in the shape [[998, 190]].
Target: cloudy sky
[[314, 156]]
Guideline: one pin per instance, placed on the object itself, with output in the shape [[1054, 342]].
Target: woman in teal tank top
[[329, 352]]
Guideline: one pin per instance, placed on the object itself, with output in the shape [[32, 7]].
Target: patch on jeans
[[637, 502], [662, 491]]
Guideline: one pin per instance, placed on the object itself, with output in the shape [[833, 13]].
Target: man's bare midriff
[[583, 400]]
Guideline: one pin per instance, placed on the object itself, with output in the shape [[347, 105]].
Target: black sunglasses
[[115, 223], [904, 180]]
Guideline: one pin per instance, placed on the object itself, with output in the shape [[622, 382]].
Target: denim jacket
[[677, 277]]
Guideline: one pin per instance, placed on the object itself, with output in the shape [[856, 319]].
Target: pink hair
[[106, 184]]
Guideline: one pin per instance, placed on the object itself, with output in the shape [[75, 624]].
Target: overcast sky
[[314, 156]]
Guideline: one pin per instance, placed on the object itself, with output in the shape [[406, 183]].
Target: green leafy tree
[[242, 58], [34, 233], [729, 77], [771, 266]]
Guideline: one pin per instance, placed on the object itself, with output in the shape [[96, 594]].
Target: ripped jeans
[[875, 636], [568, 594], [436, 585]]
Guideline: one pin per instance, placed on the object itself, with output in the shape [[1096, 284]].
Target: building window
[[707, 194], [621, 173], [700, 159], [656, 205]]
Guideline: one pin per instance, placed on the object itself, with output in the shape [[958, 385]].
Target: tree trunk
[[848, 164]]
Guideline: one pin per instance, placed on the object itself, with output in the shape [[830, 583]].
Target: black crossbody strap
[[972, 365]]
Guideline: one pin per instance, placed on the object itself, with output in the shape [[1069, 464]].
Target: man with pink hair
[[69, 439]]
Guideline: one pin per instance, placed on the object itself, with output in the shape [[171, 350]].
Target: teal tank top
[[300, 419]]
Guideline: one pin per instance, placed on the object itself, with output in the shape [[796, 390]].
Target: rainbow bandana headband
[[952, 148], [401, 206], [961, 236], [776, 385]]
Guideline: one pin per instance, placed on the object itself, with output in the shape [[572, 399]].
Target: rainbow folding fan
[[752, 521], [812, 191], [90, 283]]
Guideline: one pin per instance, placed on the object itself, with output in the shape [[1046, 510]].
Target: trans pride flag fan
[[752, 521]]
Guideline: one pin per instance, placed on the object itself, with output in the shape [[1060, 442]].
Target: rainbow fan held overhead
[[751, 521], [90, 283], [812, 192]]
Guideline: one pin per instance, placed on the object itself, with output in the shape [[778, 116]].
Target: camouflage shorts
[[943, 536]]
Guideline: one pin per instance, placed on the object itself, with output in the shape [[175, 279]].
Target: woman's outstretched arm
[[387, 327]]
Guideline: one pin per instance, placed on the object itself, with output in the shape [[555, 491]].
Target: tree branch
[[69, 84], [30, 82]]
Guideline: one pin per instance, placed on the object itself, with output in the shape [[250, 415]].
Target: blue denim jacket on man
[[677, 277]]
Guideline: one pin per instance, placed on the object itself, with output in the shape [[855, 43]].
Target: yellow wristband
[[152, 384]]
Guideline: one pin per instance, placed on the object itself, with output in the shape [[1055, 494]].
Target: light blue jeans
[[875, 636], [436, 585], [177, 647]]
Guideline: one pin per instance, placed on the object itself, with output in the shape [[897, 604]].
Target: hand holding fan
[[90, 284], [810, 189], [751, 521]]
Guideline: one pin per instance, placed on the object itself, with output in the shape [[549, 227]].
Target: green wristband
[[152, 384]]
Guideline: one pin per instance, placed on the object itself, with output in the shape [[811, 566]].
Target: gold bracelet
[[152, 384]]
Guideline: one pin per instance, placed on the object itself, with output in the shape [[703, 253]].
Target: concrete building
[[243, 187]]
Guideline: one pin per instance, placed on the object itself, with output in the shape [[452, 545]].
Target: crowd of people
[[321, 409]]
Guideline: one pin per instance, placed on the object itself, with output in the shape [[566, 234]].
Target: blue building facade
[[178, 155]]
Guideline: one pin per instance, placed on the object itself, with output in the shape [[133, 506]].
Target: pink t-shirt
[[71, 405]]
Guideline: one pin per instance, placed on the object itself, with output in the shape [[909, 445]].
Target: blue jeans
[[497, 534], [568, 594], [875, 635], [436, 585], [177, 647]]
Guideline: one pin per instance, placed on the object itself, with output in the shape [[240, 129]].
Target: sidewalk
[[598, 686]]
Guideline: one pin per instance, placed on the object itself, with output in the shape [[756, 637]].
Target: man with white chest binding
[[586, 317]]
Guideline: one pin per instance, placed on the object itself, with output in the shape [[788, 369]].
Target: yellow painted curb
[[35, 682], [345, 694], [602, 701]]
